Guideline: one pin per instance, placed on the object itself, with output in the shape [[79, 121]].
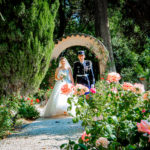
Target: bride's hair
[[67, 63], [61, 58]]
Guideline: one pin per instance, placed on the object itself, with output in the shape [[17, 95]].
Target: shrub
[[26, 38], [28, 111], [14, 107], [43, 94], [110, 116], [8, 114]]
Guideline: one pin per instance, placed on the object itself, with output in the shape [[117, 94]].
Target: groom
[[83, 71]]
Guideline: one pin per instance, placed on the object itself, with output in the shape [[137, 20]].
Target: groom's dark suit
[[83, 73]]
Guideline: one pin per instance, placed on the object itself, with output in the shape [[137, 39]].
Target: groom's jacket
[[83, 73]]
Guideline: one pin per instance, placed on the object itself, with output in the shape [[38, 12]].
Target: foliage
[[127, 49], [28, 111], [14, 107], [49, 80], [8, 113], [143, 69], [43, 94], [129, 37], [26, 38], [111, 114]]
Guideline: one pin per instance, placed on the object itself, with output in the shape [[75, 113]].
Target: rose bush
[[27, 108], [14, 107], [110, 116]]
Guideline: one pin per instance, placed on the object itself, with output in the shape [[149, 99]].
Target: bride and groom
[[82, 74]]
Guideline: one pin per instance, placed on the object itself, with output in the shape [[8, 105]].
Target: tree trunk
[[102, 29], [62, 18]]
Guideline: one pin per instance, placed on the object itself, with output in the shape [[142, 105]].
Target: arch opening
[[71, 55], [83, 40]]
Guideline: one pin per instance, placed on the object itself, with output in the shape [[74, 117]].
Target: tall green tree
[[26, 35]]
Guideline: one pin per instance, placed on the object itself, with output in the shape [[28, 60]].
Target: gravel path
[[43, 134]]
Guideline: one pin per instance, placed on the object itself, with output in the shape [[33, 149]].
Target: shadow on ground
[[53, 127]]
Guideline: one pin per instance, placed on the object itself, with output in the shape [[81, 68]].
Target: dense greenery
[[26, 43], [129, 34], [26, 37], [14, 107], [111, 113]]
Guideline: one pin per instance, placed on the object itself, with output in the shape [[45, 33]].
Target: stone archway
[[84, 40]]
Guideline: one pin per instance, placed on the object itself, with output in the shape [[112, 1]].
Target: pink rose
[[127, 86], [66, 89], [103, 142], [143, 111], [138, 88], [93, 90], [144, 126], [146, 95], [113, 77], [80, 89]]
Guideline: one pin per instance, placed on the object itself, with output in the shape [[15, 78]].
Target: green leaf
[[75, 120], [131, 147], [83, 146], [63, 145]]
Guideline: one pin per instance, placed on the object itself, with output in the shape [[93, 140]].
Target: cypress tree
[[26, 43]]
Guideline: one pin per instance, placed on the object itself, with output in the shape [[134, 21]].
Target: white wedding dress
[[57, 103]]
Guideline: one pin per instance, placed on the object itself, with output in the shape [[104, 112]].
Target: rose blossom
[[80, 89], [138, 88], [145, 96], [103, 142], [37, 100], [109, 95], [93, 90], [143, 111], [113, 77], [66, 89], [144, 126], [84, 135], [127, 86]]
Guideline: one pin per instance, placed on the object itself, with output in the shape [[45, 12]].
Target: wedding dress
[[57, 103]]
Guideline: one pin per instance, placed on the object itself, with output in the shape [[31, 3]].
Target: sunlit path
[[43, 134]]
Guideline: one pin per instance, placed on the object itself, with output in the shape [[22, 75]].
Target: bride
[[57, 103]]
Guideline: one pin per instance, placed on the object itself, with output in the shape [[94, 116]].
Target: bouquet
[[63, 75]]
